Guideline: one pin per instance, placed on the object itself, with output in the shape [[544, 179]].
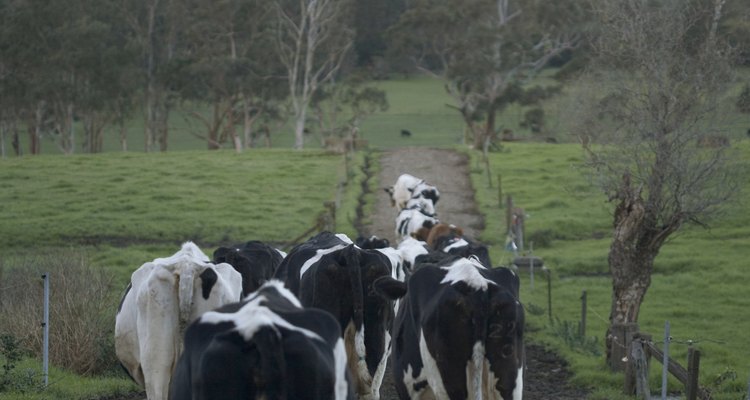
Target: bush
[[81, 309]]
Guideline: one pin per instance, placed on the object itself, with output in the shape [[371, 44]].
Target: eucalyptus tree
[[230, 64], [155, 32], [313, 38], [485, 50], [651, 126], [340, 107], [62, 62]]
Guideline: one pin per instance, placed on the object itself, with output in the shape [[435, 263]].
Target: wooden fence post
[[691, 387], [500, 190], [582, 322], [636, 375], [622, 336]]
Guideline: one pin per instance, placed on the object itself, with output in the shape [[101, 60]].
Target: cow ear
[[389, 288], [389, 190]]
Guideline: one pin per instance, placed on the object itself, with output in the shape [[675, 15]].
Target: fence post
[[549, 295], [691, 387], [531, 265], [500, 190], [582, 323], [45, 325], [621, 337], [665, 362], [636, 378]]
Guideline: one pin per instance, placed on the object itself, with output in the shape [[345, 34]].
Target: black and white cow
[[410, 187], [372, 242], [163, 297], [266, 347], [458, 333], [358, 287], [412, 222], [254, 260]]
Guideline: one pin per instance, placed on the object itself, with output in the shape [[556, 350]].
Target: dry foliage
[[81, 309]]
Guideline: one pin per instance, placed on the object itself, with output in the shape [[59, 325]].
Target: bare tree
[[652, 133], [313, 39]]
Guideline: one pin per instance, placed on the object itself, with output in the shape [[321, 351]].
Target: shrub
[[81, 309]]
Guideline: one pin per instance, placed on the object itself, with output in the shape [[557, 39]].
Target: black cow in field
[[254, 260], [265, 347], [458, 333], [358, 287]]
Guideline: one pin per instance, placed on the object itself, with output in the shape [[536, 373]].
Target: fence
[[642, 350]]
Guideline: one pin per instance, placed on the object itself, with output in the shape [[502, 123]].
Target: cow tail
[[353, 261], [185, 277], [269, 345]]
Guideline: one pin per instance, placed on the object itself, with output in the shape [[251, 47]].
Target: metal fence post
[[665, 362], [45, 325]]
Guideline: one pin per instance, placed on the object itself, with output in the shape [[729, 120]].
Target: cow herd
[[325, 320]]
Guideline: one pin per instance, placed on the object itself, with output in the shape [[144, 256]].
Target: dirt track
[[546, 375]]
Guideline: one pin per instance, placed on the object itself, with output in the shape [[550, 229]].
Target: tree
[[341, 107], [485, 49], [658, 71], [313, 38], [228, 66]]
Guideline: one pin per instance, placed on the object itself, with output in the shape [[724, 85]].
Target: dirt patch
[[546, 375]]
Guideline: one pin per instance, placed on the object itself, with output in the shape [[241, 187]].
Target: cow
[[458, 333], [265, 347], [451, 239], [423, 204], [372, 242], [412, 222], [410, 249], [163, 297], [254, 260], [408, 187], [358, 287]]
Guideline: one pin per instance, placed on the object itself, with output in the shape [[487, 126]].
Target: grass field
[[122, 209], [698, 280]]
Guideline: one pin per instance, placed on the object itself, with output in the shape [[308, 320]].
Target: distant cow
[[405, 133], [163, 297], [254, 260], [265, 347], [458, 333], [412, 222], [408, 187], [358, 287]]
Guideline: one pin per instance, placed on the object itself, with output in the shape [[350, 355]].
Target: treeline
[[240, 69]]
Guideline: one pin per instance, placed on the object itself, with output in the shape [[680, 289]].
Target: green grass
[[123, 209], [698, 283], [130, 206]]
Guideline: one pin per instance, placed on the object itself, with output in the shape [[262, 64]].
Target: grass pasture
[[698, 284]]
